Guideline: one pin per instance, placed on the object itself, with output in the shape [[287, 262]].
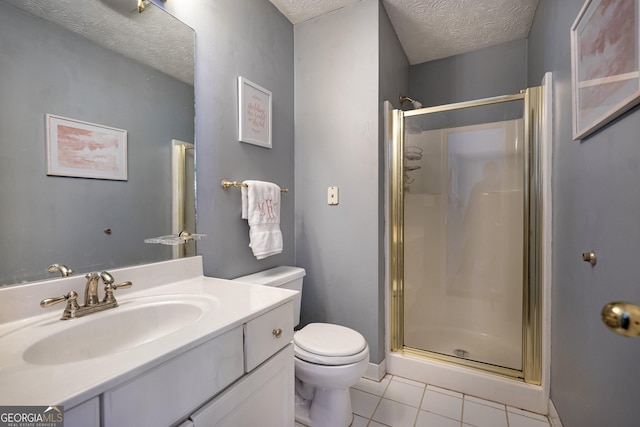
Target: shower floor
[[465, 345]]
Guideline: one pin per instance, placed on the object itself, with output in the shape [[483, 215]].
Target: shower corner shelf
[[412, 152]]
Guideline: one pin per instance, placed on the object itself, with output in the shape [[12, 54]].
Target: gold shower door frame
[[532, 285]]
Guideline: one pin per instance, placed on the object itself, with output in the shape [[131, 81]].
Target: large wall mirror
[[101, 62]]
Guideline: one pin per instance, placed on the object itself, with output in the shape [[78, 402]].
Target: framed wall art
[[254, 113], [85, 150], [604, 63]]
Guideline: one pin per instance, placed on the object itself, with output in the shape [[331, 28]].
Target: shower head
[[416, 104]]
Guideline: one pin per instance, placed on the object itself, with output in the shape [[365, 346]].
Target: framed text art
[[604, 63], [254, 113], [85, 150]]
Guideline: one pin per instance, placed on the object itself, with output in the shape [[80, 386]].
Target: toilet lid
[[325, 339], [330, 360]]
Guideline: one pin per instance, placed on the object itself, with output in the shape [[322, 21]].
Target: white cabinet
[[262, 398], [86, 414], [155, 377], [265, 396], [267, 334], [168, 393], [242, 378]]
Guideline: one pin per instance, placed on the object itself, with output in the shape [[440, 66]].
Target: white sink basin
[[130, 325]]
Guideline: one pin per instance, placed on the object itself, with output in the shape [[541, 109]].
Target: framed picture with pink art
[[85, 150], [254, 113], [605, 60]]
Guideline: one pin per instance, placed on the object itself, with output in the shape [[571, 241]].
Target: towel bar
[[227, 184]]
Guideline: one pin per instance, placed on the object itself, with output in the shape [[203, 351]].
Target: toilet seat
[[328, 344]]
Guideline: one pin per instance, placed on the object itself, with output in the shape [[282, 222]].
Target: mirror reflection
[[100, 62]]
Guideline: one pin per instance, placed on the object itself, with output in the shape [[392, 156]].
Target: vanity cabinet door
[[171, 391], [264, 398], [265, 335], [86, 414]]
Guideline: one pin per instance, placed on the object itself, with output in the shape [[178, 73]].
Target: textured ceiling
[[434, 29], [153, 37], [427, 29]]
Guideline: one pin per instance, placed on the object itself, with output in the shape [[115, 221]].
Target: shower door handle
[[622, 318]]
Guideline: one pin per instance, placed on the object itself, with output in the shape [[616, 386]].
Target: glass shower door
[[464, 233]]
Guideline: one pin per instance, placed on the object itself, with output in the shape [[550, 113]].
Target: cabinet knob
[[589, 257], [277, 332]]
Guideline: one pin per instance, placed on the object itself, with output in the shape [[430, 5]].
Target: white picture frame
[[605, 63], [254, 113], [80, 149]]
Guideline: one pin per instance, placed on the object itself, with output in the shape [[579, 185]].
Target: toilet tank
[[283, 277]]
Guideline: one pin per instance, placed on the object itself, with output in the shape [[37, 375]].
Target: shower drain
[[461, 353]]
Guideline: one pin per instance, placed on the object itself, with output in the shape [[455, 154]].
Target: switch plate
[[332, 195]]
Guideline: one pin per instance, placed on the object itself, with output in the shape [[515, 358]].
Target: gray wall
[[394, 67], [337, 107], [248, 38], [493, 71], [596, 185], [46, 219], [337, 143]]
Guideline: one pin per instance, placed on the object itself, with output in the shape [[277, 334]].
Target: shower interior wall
[[462, 228], [497, 70]]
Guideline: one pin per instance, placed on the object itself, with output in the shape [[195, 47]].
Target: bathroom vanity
[[181, 349]]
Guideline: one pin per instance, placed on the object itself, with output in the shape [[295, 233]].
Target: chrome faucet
[[63, 269], [92, 303], [91, 289]]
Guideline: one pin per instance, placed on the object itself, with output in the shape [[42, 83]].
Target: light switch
[[332, 195]]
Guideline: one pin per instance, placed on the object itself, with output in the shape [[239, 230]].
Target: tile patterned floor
[[400, 402]]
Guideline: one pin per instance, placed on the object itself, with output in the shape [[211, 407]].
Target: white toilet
[[329, 359]]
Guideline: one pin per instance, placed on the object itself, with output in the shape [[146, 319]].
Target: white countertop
[[70, 384]]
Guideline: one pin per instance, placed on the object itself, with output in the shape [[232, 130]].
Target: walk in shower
[[465, 235]]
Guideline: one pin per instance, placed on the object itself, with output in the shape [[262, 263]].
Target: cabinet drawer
[[169, 392], [263, 398], [267, 334]]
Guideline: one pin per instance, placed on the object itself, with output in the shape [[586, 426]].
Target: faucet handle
[[48, 302], [72, 304], [110, 287], [107, 278]]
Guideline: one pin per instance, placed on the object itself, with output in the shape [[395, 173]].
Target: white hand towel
[[261, 208]]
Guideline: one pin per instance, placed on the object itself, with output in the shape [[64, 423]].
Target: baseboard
[[554, 418], [376, 372]]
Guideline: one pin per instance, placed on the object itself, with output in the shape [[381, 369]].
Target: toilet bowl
[[329, 358]]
